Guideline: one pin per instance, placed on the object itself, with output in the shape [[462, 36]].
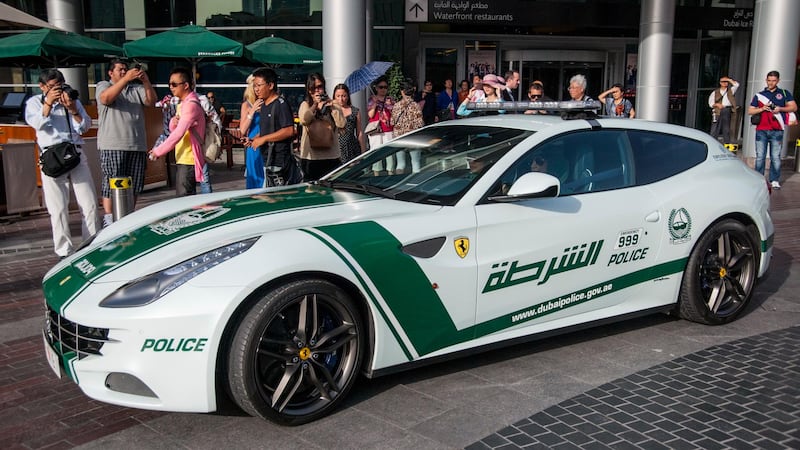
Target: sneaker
[[776, 185], [108, 219]]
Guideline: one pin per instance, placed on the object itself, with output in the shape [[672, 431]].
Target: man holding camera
[[773, 104], [121, 135], [57, 116]]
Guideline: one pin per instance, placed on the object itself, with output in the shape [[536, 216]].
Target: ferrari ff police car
[[448, 240]]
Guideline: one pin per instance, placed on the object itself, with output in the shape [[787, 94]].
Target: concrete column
[[656, 26], [343, 46], [68, 15], [773, 47]]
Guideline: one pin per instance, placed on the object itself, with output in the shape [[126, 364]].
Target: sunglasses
[[173, 84], [383, 86]]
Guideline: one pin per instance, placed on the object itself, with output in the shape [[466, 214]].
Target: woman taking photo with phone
[[322, 121]]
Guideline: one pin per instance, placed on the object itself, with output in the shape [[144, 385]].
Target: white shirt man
[[723, 104]]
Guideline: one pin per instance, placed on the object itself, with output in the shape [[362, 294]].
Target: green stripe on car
[[417, 307], [401, 282], [766, 245], [62, 286]]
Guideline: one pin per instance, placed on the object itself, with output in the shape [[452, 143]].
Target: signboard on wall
[[598, 13], [473, 11]]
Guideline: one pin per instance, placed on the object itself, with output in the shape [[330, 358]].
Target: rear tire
[[720, 276], [296, 353]]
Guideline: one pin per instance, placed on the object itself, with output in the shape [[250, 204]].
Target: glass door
[[554, 68], [555, 76]]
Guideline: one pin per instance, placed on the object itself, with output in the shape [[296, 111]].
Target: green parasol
[[54, 48], [190, 42], [275, 51]]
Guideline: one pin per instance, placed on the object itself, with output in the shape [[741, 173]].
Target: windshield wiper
[[357, 187]]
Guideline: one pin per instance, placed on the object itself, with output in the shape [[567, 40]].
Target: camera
[[323, 97], [71, 93], [772, 107], [137, 66]]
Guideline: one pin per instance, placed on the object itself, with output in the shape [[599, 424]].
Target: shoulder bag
[[320, 134], [372, 127], [58, 159]]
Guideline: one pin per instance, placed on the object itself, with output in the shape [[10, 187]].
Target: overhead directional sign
[[416, 10]]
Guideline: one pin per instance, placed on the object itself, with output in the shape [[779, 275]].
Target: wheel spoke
[[740, 259], [267, 346], [286, 343], [307, 318], [735, 289], [282, 357], [716, 296], [724, 247], [283, 390], [312, 374], [341, 334]]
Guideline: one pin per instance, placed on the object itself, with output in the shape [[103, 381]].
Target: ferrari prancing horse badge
[[462, 246]]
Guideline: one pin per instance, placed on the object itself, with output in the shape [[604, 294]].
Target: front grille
[[71, 337]]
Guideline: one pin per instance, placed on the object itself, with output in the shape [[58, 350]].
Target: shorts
[[120, 164]]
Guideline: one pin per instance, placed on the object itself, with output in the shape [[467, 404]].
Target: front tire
[[720, 276], [296, 353]]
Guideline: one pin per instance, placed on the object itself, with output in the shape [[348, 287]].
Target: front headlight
[[150, 288]]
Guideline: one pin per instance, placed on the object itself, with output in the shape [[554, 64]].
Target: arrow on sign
[[416, 9], [120, 183]]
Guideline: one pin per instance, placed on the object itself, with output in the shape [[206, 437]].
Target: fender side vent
[[424, 249]]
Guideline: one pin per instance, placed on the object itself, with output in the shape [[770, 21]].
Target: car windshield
[[434, 165]]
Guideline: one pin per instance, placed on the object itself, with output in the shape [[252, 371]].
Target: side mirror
[[531, 185]]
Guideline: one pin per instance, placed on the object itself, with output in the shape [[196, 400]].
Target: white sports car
[[448, 240]]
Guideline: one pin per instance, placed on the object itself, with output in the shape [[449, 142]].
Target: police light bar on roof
[[565, 106]]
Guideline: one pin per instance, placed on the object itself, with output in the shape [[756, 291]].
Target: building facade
[[438, 39]]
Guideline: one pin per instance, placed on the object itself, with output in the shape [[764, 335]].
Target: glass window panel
[[104, 14], [388, 12]]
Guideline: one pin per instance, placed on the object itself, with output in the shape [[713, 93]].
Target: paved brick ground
[[36, 410], [741, 394]]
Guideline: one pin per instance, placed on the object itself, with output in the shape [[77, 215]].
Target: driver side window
[[585, 161]]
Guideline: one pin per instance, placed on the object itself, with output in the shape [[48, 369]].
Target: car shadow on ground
[[367, 388], [771, 283]]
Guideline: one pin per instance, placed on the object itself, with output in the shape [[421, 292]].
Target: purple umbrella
[[364, 76]]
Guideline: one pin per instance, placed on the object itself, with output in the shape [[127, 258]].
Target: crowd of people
[[331, 131]]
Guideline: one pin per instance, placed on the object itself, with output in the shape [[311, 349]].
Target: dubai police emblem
[[680, 226], [462, 246]]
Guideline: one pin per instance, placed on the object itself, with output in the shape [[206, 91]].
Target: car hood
[[197, 226]]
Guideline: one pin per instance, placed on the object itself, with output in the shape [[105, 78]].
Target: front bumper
[[159, 357]]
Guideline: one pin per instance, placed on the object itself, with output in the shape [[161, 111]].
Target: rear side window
[[657, 156]]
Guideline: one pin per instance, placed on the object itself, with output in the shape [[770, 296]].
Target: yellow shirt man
[[183, 149]]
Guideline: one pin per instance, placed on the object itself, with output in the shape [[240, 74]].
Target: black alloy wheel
[[297, 353], [720, 276]]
